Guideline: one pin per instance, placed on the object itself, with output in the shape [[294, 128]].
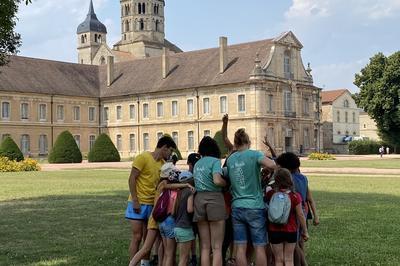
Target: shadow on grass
[[356, 229], [65, 230]]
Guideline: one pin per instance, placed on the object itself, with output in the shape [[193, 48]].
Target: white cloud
[[308, 8], [380, 9]]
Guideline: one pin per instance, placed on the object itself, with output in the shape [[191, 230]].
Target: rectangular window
[[206, 105], [241, 103], [77, 139], [24, 110], [43, 145], [160, 109], [42, 112], [92, 114], [354, 117], [106, 113], [174, 108], [175, 137], [222, 105], [270, 103], [25, 144], [119, 112], [287, 101], [271, 136], [190, 107], [207, 133], [119, 142], [306, 138], [92, 139], [306, 106], [145, 110], [146, 141], [346, 117], [60, 112], [77, 113], [5, 110], [190, 141], [132, 112], [132, 143], [338, 116]]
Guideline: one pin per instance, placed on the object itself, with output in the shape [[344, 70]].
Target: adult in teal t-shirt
[[203, 173], [244, 173], [248, 211]]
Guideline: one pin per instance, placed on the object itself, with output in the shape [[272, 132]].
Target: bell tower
[[91, 34]]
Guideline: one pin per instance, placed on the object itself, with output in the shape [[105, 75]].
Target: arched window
[[144, 8], [82, 39], [102, 60], [287, 65], [95, 38], [346, 103], [126, 25], [155, 9], [141, 24], [140, 8], [157, 23], [99, 38], [85, 38]]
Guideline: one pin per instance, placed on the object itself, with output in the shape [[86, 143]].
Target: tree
[[379, 96], [10, 150], [220, 141], [65, 150], [104, 150], [9, 40]]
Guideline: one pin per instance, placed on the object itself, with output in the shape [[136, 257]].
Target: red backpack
[[160, 211]]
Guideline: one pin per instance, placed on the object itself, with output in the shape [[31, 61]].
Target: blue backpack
[[279, 208]]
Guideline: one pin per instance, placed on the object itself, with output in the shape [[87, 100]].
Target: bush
[[177, 151], [218, 138], [10, 150], [7, 165], [104, 150], [321, 156], [364, 147], [65, 150]]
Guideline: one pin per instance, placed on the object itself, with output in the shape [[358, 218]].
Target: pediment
[[288, 38]]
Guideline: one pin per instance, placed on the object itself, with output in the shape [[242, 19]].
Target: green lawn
[[76, 218], [378, 163]]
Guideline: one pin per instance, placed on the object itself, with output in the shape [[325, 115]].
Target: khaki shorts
[[209, 206]]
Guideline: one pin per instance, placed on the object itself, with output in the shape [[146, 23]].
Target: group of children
[[253, 205]]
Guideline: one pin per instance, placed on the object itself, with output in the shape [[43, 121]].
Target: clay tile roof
[[329, 97], [23, 74], [187, 70]]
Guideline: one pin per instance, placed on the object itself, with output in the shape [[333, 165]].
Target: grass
[[76, 218], [378, 163]]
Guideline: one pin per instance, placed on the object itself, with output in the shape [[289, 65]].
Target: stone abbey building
[[145, 86]]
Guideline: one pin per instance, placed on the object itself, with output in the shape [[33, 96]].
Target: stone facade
[[368, 127], [262, 85], [340, 118]]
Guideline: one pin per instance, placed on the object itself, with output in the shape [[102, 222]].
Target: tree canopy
[[379, 96], [9, 40]]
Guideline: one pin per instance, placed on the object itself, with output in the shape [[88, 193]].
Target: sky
[[339, 36]]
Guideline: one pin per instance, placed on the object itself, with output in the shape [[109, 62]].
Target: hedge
[[65, 150], [364, 147], [10, 150], [104, 150]]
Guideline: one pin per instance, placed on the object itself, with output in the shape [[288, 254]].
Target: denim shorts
[[183, 235], [249, 225], [144, 215], [167, 228]]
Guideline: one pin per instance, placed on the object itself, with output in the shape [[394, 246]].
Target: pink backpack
[[165, 205]]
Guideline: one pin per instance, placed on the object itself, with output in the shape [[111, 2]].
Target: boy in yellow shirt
[[143, 180]]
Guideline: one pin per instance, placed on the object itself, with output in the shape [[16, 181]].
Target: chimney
[[223, 54], [110, 70], [165, 63]]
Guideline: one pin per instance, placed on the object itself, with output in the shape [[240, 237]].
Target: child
[[283, 237], [184, 234], [153, 229]]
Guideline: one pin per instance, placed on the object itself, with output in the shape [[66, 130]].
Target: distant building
[[368, 127], [340, 120]]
